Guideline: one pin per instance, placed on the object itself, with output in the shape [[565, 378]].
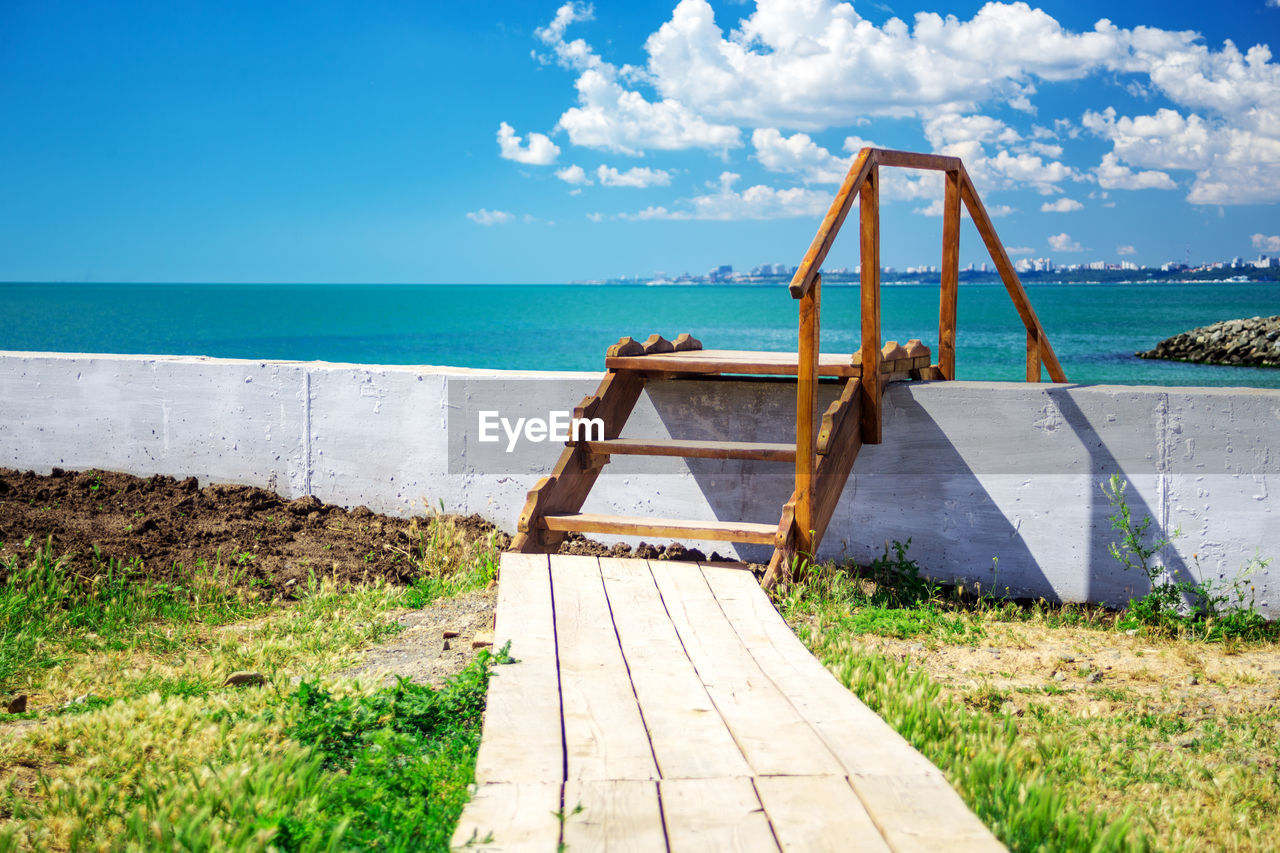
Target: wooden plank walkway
[[666, 706]]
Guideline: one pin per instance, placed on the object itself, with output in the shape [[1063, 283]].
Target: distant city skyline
[[545, 142]]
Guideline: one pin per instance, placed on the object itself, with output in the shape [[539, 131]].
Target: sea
[[1094, 328]]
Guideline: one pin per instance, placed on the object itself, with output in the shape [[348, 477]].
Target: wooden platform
[[660, 705]]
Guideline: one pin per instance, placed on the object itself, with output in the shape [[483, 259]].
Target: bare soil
[[159, 527]]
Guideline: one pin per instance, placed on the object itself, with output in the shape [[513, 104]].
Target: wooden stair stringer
[[839, 440], [566, 489]]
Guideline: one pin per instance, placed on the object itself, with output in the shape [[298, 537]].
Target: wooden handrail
[[862, 166], [863, 181]]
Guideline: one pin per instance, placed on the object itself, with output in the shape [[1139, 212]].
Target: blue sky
[[526, 142]]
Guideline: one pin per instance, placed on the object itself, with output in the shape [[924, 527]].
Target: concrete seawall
[[992, 482]]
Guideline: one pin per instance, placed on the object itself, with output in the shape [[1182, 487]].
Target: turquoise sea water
[[1095, 328]]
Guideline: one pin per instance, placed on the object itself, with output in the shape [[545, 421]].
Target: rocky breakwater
[[1254, 342]]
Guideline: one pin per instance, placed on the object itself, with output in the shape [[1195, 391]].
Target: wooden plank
[[840, 205], [847, 405], [950, 275], [860, 740], [912, 160], [882, 766], [747, 362], [770, 732], [922, 812], [511, 818], [688, 736], [720, 531], [604, 733], [869, 224], [764, 451], [715, 814], [523, 697], [818, 813], [834, 466], [978, 213], [622, 816], [806, 402]]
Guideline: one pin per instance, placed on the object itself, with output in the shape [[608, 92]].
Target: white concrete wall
[[971, 472]]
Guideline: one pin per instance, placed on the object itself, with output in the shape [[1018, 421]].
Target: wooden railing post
[[1033, 356], [869, 222], [950, 276], [806, 410]]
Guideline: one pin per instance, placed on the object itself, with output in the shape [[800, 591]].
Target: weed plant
[[1176, 605], [48, 612], [983, 756], [315, 769]]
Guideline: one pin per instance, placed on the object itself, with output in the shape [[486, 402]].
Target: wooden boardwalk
[[660, 705]]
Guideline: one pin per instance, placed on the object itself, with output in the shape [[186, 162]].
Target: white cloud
[[801, 66], [540, 150], [813, 64], [612, 117], [1063, 243], [633, 177], [1112, 175], [595, 217], [799, 155], [574, 174], [967, 137], [1265, 243], [1126, 250], [757, 202], [1019, 250], [490, 217], [1062, 205]]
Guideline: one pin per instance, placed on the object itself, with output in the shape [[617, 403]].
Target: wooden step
[[710, 361], [764, 451], [624, 525]]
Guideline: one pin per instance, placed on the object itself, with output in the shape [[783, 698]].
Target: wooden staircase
[[825, 447]]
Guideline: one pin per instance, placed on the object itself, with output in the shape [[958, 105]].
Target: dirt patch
[[160, 527], [438, 641], [1089, 673]]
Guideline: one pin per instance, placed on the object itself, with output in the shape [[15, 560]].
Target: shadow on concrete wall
[[1103, 572]]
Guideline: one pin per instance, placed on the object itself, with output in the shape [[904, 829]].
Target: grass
[[1064, 728], [137, 745]]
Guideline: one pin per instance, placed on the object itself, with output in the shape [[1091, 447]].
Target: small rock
[[1132, 632], [1059, 676], [917, 647], [18, 704], [79, 700], [449, 635], [245, 679], [1192, 681], [1010, 710], [1094, 677], [1066, 658], [446, 646], [482, 639]]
